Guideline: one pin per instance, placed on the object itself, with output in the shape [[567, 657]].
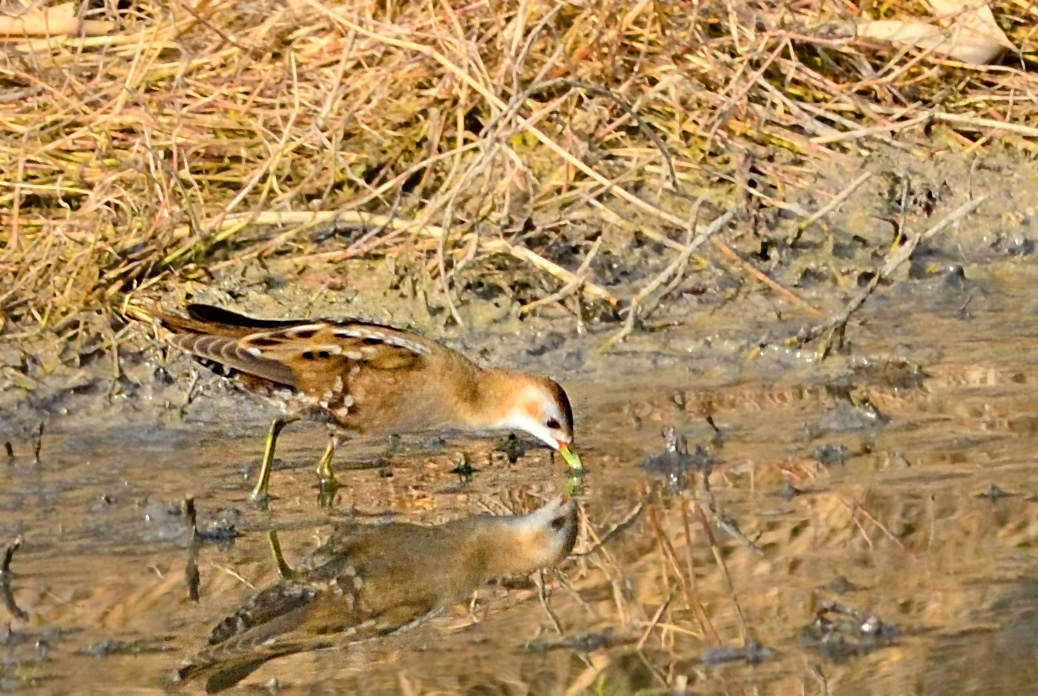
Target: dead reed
[[148, 141]]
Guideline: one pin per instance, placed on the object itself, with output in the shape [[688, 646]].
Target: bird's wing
[[328, 619], [306, 355], [225, 664], [267, 605]]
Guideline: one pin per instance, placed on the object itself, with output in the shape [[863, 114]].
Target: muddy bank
[[65, 374]]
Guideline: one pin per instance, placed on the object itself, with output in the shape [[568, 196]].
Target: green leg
[[284, 571], [259, 494], [329, 485], [324, 467]]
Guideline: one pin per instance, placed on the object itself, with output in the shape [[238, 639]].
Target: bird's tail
[[233, 658], [222, 671]]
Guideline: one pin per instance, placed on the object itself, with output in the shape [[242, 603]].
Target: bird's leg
[[285, 571], [259, 494], [324, 467]]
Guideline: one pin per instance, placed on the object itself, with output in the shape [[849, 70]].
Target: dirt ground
[[864, 525]]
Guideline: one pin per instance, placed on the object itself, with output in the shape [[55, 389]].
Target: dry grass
[[178, 139]]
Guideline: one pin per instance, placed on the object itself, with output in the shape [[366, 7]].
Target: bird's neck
[[499, 547], [488, 398]]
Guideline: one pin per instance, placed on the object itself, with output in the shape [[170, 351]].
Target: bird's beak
[[570, 457]]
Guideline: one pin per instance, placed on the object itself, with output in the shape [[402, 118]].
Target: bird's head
[[540, 407]]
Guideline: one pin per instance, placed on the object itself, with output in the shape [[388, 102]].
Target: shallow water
[[906, 526]]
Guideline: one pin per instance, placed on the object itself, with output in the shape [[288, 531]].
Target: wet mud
[[753, 519]]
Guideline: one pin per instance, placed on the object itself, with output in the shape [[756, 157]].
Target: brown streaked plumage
[[370, 581], [370, 379]]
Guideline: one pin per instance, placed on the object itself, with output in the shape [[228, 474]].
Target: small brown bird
[[369, 379], [371, 581]]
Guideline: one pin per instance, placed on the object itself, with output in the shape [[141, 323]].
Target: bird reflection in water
[[370, 581]]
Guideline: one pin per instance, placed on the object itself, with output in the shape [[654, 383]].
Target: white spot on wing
[[407, 345], [305, 328], [398, 341]]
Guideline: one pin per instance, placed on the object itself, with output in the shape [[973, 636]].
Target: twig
[[376, 231], [191, 393], [5, 567], [501, 246], [492, 246], [617, 528], [669, 556], [705, 624], [37, 443], [568, 288], [663, 277], [5, 581], [902, 211], [216, 30], [441, 252], [281, 150], [557, 149], [1026, 131], [870, 130], [234, 574], [838, 322], [854, 507], [724, 112], [655, 620], [542, 594], [187, 509], [192, 576], [642, 125], [833, 205], [719, 559]]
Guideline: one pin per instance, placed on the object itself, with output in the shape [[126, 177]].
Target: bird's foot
[[285, 571], [260, 494], [327, 482]]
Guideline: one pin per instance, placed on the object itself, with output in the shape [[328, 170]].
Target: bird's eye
[[553, 424]]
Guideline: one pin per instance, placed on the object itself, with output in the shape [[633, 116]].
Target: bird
[[369, 581], [368, 379]]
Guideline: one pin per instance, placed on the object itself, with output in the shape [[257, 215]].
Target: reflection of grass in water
[[912, 545]]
